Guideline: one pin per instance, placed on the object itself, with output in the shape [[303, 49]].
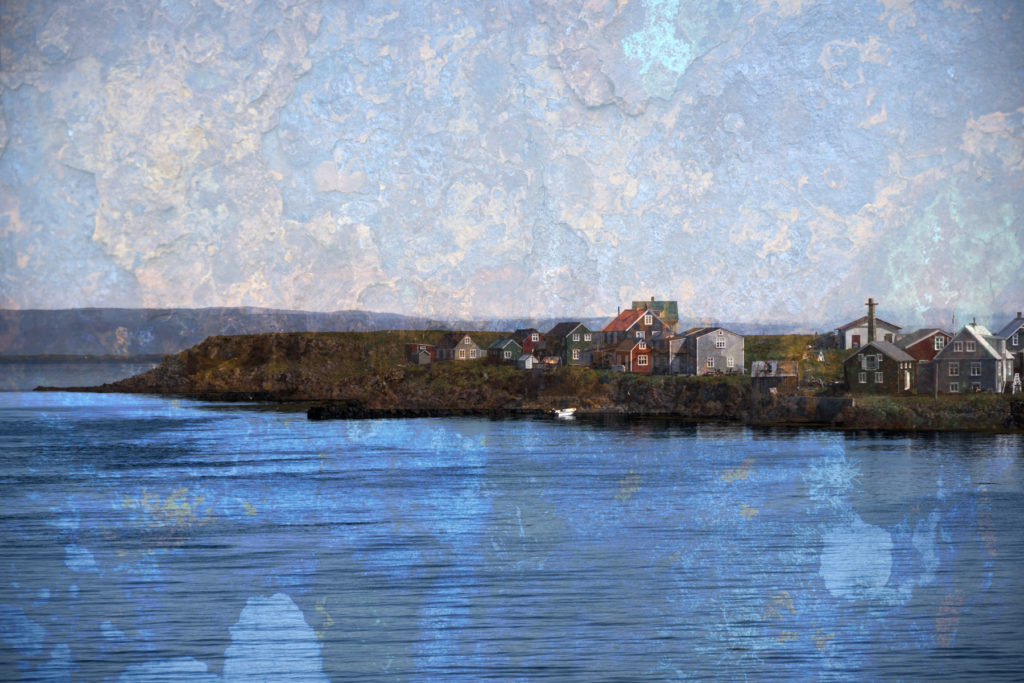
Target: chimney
[[1019, 315], [871, 319]]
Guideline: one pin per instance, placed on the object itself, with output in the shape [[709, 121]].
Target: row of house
[[641, 339], [932, 361]]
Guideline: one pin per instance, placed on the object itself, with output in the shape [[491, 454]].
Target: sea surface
[[151, 539]]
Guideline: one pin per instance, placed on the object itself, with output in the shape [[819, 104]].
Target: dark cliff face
[[368, 369]]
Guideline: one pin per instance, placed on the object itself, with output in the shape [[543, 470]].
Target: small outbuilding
[[419, 354]]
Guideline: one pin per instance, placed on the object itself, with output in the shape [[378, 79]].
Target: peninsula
[[368, 374]]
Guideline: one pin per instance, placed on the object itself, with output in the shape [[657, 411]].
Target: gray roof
[[564, 329], [701, 331], [503, 342], [888, 349], [1013, 326], [914, 337]]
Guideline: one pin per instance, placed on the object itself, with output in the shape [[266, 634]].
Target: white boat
[[564, 413]]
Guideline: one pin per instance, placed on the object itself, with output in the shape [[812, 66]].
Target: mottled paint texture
[[759, 160]]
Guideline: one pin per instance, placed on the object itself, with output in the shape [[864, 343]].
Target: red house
[[924, 344], [635, 355], [634, 323], [529, 338]]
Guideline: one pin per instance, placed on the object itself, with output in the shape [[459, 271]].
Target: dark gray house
[[457, 346], [571, 342], [711, 351], [975, 360], [504, 351], [881, 367]]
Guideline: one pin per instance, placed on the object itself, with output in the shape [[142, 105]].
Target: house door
[[906, 380], [855, 341]]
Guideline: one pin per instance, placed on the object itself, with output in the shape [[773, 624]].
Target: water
[[153, 539]]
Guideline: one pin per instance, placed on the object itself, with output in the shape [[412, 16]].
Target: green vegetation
[[796, 347]]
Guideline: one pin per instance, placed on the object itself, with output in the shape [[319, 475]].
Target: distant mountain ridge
[[149, 331]]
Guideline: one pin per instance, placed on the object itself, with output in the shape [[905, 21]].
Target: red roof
[[625, 320]]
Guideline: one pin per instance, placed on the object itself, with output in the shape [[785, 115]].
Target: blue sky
[[752, 160]]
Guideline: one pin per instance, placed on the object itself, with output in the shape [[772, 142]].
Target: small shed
[[419, 354], [526, 361]]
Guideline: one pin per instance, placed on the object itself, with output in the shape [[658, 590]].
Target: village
[[878, 357]]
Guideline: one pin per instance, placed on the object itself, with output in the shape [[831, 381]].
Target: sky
[[756, 161]]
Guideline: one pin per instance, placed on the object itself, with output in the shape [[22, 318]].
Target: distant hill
[[159, 331], [147, 331]]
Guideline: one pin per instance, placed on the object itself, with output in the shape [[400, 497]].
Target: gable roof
[[888, 349], [667, 310], [564, 329], [631, 316], [629, 343], [503, 342], [919, 336], [1013, 326], [701, 331], [624, 320], [452, 339], [863, 320], [523, 334]]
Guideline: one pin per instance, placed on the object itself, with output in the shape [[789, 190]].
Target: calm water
[[150, 539]]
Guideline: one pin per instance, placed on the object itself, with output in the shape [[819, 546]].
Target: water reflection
[[151, 539]]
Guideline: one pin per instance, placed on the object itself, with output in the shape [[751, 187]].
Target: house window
[[575, 354], [870, 362], [940, 341], [711, 361], [954, 368], [1015, 340], [641, 359], [535, 337], [640, 334], [586, 337], [730, 362], [954, 387], [576, 337], [975, 369], [643, 345], [878, 378], [648, 320], [975, 386], [462, 354], [958, 346], [862, 377], [472, 353], [508, 354], [720, 343], [971, 347]]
